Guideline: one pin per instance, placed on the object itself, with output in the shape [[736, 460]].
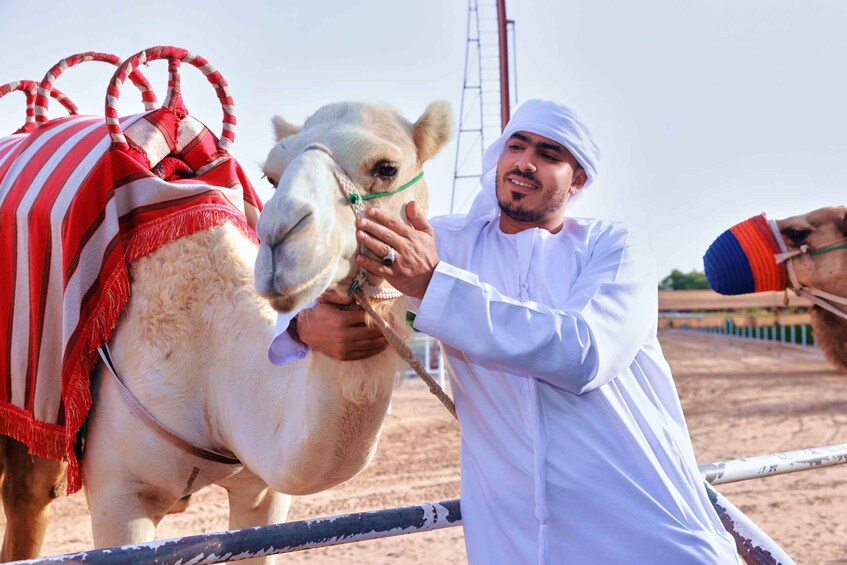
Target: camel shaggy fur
[[820, 229], [192, 343]]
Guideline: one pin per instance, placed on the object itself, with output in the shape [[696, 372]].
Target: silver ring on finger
[[390, 257]]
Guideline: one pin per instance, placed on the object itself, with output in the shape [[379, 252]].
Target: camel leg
[[124, 510], [252, 503], [3, 441], [29, 486], [122, 517]]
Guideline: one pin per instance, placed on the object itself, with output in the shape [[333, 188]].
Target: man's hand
[[337, 332], [414, 249]]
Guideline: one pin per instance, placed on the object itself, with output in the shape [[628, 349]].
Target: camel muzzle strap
[[357, 203]]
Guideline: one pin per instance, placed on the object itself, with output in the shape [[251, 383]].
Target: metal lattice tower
[[481, 115]]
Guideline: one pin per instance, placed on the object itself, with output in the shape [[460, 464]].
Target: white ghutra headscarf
[[542, 117]]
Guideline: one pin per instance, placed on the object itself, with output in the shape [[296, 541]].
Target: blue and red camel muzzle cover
[[743, 259]]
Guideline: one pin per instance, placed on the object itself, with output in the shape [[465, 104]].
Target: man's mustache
[[523, 174]]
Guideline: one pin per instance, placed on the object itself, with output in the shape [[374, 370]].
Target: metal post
[[803, 334], [442, 374], [793, 334], [504, 63], [427, 352]]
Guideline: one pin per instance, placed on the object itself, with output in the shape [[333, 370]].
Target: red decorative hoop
[[41, 100], [174, 55], [29, 88]]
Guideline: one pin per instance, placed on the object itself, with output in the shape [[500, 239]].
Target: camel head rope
[[818, 297], [362, 290]]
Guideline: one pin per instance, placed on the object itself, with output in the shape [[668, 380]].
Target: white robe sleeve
[[283, 348], [605, 320]]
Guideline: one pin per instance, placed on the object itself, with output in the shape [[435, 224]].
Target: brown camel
[[823, 266]]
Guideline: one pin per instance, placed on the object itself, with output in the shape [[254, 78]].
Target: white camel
[[192, 343], [823, 266]]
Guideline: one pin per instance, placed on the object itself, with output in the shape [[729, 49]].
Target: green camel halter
[[833, 248], [356, 201], [355, 196], [818, 297]]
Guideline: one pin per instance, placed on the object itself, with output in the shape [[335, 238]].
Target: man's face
[[535, 178]]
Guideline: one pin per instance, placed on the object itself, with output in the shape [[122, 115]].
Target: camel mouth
[[287, 299], [289, 277]]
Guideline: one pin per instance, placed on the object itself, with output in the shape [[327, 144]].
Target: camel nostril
[[273, 238], [300, 225]]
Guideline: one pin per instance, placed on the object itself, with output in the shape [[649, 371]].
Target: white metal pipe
[[753, 544], [760, 466]]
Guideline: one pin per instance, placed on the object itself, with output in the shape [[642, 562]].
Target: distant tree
[[678, 280]]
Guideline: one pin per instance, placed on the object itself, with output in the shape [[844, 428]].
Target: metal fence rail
[[234, 545], [798, 334], [775, 464]]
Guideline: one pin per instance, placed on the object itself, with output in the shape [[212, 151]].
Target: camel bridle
[[818, 297], [357, 202], [363, 291]]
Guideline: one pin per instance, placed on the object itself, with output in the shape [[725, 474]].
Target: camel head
[[806, 252], [819, 230], [759, 254], [307, 229]]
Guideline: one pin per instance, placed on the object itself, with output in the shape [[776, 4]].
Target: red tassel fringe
[[57, 442]]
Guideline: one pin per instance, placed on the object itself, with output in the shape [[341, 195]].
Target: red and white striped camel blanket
[[73, 214]]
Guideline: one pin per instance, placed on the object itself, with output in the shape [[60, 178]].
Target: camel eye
[[272, 181], [796, 236], [385, 170]]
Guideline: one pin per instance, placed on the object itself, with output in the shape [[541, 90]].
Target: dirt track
[[741, 398]]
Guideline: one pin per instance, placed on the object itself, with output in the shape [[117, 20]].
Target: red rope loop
[[174, 55], [29, 89], [46, 86]]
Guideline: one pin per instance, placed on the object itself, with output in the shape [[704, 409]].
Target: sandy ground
[[741, 398]]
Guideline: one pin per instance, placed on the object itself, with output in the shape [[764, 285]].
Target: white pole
[[442, 376], [754, 544], [760, 466], [427, 352]]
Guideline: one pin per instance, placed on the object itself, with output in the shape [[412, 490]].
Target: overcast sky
[[706, 111]]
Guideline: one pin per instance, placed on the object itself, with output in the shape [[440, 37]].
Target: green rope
[[390, 192], [819, 251]]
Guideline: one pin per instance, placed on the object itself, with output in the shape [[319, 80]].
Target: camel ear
[[283, 128], [433, 129]]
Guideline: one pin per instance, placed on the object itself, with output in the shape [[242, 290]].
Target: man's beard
[[527, 215]]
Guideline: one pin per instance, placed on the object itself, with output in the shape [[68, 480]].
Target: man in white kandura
[[574, 445]]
